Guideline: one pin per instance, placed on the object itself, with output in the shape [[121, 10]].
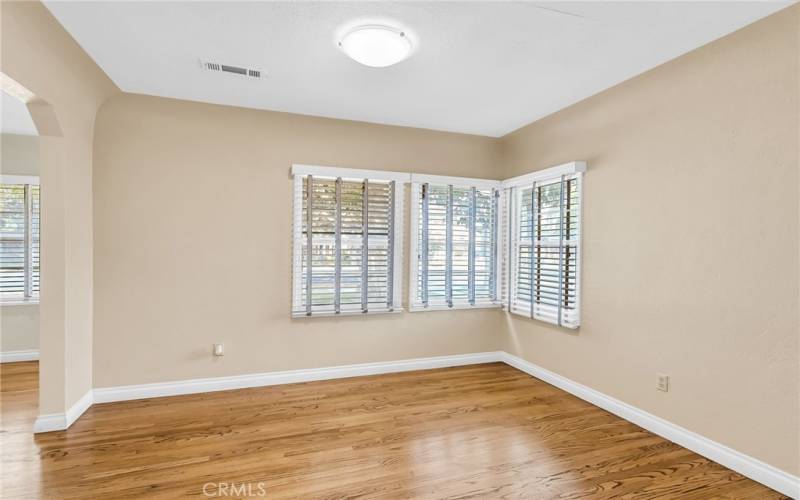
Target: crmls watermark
[[239, 490]]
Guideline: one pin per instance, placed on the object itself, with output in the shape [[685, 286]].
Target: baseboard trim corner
[[16, 356], [50, 422], [61, 421], [746, 465], [161, 389]]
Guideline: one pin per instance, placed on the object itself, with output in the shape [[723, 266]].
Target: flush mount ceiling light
[[376, 46]]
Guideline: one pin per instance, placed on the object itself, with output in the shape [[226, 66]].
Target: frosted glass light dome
[[376, 46]]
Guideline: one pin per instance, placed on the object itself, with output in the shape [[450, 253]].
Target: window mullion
[[560, 248], [538, 243], [511, 266], [534, 278], [565, 238], [390, 248], [365, 246], [337, 276], [449, 247], [309, 241], [424, 245], [27, 259], [471, 248], [493, 277]]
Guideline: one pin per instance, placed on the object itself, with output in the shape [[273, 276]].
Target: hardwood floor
[[482, 431]]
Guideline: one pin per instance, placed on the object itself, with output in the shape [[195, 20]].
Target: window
[[474, 242], [19, 238], [454, 237], [544, 248], [347, 240]]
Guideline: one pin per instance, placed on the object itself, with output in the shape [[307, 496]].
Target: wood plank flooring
[[482, 431]]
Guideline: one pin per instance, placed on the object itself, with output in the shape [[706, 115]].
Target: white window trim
[[456, 181], [32, 300], [301, 170], [416, 181], [526, 180]]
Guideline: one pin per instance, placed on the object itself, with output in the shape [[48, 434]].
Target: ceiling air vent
[[227, 68]]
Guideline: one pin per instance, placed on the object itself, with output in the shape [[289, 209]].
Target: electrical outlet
[[662, 384], [219, 350]]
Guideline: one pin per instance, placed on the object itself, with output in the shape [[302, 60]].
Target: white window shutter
[[19, 238], [545, 249], [347, 236], [455, 251]]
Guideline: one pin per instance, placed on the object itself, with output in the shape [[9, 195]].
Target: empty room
[[400, 250]]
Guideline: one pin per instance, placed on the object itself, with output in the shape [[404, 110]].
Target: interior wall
[[19, 154], [39, 54], [193, 242], [19, 324], [690, 241], [19, 327]]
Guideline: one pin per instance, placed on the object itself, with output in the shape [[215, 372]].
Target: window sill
[[331, 314], [547, 314], [456, 307], [19, 302]]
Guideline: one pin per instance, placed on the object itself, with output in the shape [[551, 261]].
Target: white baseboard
[[62, 421], [739, 462], [143, 391], [14, 356], [743, 464]]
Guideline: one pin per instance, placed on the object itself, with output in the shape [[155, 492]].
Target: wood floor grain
[[482, 431]]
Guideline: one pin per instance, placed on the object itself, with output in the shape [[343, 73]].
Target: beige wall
[[690, 240], [19, 154], [19, 327], [39, 54], [19, 324], [193, 232]]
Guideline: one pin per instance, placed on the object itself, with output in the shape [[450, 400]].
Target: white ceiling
[[478, 67], [15, 118]]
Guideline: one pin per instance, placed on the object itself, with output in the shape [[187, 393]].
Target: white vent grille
[[227, 68]]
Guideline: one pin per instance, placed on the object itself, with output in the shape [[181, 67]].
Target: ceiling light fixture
[[376, 46]]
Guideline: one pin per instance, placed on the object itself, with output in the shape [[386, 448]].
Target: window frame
[[28, 297], [417, 180], [513, 189], [507, 213], [299, 172]]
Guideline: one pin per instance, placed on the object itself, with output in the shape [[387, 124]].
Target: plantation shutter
[[545, 249], [346, 245], [19, 239], [455, 232]]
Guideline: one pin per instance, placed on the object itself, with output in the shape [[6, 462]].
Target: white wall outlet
[[219, 349], [662, 384]]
